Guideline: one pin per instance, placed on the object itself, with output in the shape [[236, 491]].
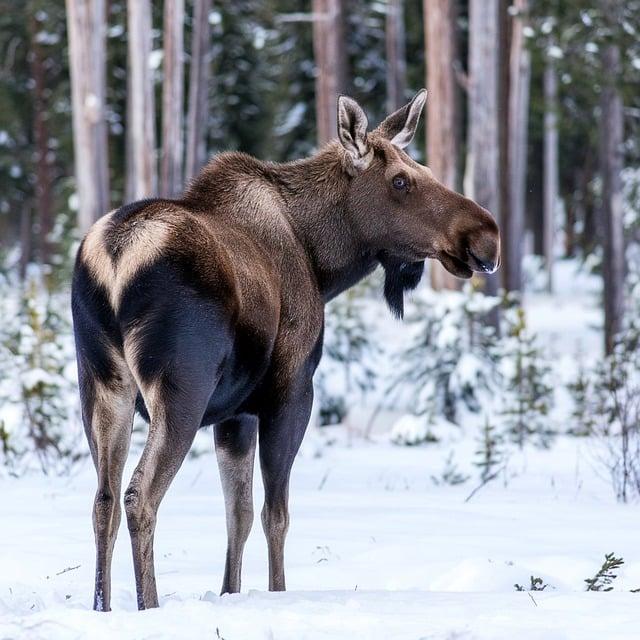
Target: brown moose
[[208, 309]]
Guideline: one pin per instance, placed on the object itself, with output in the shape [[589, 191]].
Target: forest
[[511, 397]]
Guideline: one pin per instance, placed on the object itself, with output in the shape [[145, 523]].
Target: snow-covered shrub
[[347, 369], [450, 474], [617, 398], [37, 393], [412, 430], [527, 393], [450, 366]]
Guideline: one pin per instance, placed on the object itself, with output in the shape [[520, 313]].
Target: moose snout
[[483, 248]]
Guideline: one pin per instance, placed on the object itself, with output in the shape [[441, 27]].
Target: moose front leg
[[281, 429]]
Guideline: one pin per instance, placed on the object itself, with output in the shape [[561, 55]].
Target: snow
[[379, 553]]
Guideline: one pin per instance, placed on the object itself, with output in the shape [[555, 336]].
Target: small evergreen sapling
[[36, 343], [536, 584], [348, 364], [581, 389], [450, 366], [489, 455], [527, 393], [604, 577]]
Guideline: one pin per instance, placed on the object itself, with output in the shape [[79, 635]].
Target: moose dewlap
[[208, 309]]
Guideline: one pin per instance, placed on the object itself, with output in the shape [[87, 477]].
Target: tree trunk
[[172, 99], [518, 123], [198, 115], [43, 185], [328, 50], [483, 178], [141, 137], [611, 162], [442, 108], [550, 167], [396, 55], [86, 25]]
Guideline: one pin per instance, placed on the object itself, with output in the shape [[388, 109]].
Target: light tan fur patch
[[144, 242]]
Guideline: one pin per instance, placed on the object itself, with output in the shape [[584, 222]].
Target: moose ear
[[401, 125], [352, 131]]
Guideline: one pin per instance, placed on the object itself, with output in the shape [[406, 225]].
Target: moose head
[[398, 206]]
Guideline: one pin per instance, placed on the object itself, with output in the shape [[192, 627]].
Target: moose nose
[[486, 265], [483, 248]]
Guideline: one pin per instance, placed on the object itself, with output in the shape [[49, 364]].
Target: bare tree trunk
[[197, 117], [141, 137], [396, 55], [518, 123], [483, 178], [328, 50], [43, 185], [25, 240], [86, 25], [171, 179], [550, 167], [504, 81], [611, 162], [442, 108]]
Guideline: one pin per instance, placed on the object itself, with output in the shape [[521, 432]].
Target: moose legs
[[235, 449], [107, 412], [281, 430]]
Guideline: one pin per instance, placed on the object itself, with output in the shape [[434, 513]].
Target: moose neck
[[315, 191]]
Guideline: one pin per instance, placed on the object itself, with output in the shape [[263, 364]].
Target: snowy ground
[[376, 549]]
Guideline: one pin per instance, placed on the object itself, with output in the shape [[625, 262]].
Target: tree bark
[[518, 123], [86, 25], [199, 73], [173, 99], [611, 162], [442, 108], [43, 185], [395, 39], [550, 167], [141, 138], [483, 161], [329, 53]]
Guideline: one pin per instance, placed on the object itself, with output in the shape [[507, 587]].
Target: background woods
[[474, 451], [533, 111]]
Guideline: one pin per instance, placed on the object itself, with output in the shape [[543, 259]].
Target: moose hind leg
[[235, 449], [107, 410], [176, 412]]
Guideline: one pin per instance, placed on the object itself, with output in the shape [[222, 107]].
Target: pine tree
[[35, 351], [489, 454], [451, 364], [582, 393], [348, 365], [527, 395]]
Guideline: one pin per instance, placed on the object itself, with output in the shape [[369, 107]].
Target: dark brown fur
[[209, 310]]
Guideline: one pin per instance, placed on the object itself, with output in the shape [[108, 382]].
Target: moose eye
[[399, 182]]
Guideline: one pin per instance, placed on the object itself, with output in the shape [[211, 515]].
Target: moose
[[208, 309]]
